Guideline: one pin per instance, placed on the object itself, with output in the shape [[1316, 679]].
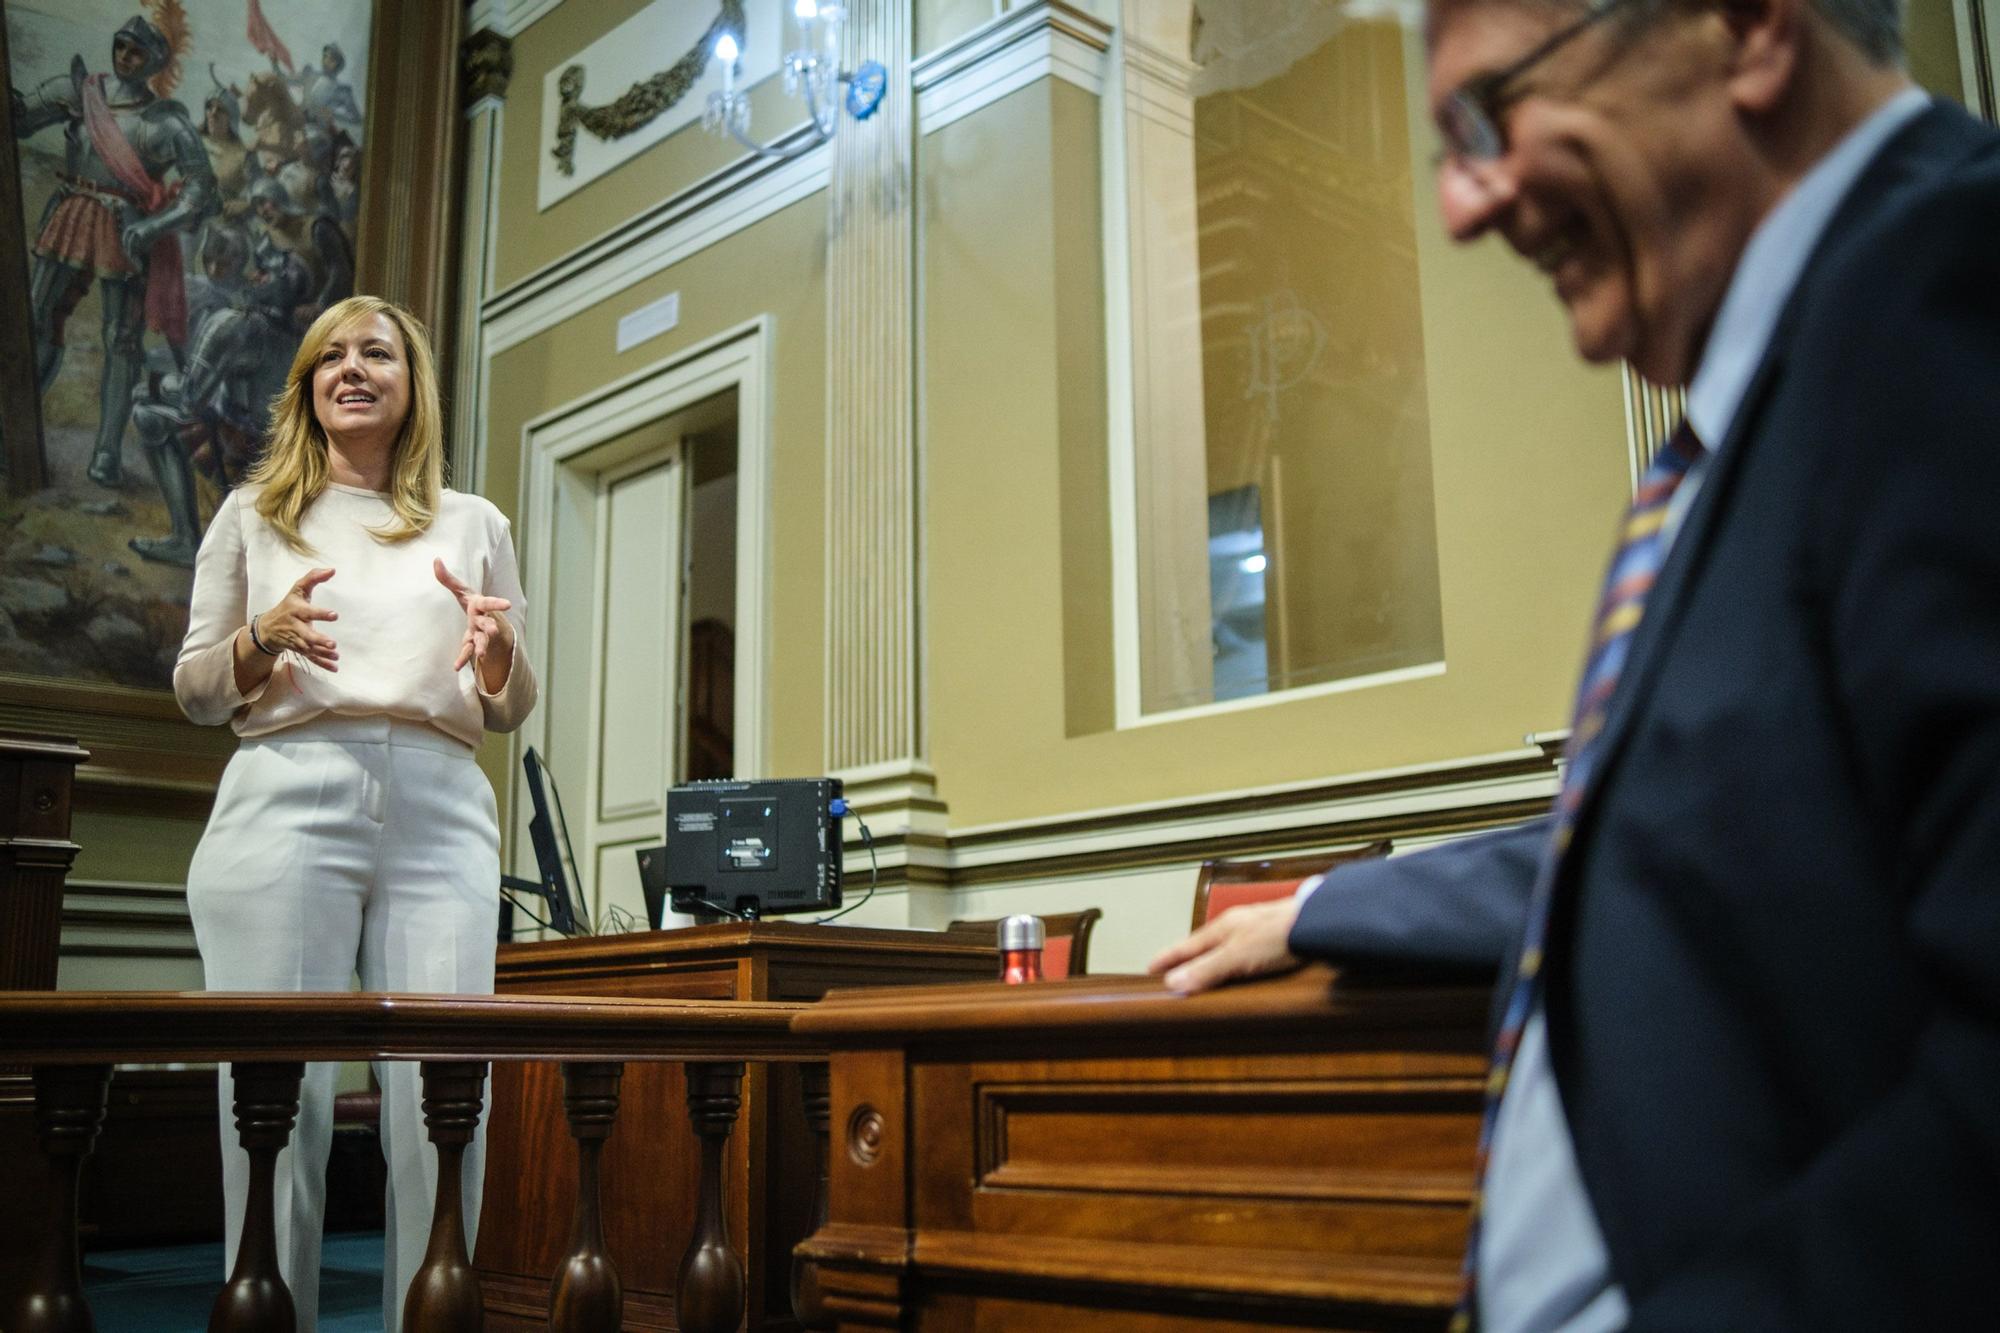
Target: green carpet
[[170, 1289]]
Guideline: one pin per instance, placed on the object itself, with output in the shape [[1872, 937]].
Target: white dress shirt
[[399, 628]]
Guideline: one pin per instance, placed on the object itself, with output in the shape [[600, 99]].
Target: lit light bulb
[[725, 48], [806, 10], [1254, 564]]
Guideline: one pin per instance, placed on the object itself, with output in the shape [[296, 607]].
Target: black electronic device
[[653, 883], [751, 848], [553, 888]]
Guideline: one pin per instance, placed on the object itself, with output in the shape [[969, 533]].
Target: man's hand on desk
[[1247, 941]]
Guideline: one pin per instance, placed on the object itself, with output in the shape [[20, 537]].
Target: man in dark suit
[[1748, 1064]]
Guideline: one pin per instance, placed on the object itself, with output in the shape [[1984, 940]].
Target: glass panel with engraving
[[1286, 534]]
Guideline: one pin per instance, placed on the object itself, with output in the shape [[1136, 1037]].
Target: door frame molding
[[738, 358], [1975, 22]]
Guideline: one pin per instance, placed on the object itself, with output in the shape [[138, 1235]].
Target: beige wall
[[942, 21], [148, 848], [1530, 471], [1931, 40]]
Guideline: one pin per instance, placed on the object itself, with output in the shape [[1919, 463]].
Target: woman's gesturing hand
[[489, 636], [288, 626]]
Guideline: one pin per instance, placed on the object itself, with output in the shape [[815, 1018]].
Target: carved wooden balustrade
[[72, 1040]]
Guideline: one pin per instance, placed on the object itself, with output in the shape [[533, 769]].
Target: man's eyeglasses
[[1469, 120]]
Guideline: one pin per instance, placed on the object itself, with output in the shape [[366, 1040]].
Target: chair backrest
[[1222, 885], [1065, 943]]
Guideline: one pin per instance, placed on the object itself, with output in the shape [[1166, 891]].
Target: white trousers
[[340, 846]]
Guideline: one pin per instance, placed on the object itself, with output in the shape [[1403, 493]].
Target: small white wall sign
[[649, 321]]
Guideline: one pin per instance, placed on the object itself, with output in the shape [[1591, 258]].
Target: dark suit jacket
[[1773, 989]]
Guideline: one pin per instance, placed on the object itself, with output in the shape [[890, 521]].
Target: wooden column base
[[256, 1300], [444, 1295], [586, 1295], [69, 1108], [712, 1291]]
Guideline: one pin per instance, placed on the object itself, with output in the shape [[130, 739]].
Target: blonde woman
[[359, 626]]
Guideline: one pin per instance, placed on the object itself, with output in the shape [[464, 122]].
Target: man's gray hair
[[1875, 26]]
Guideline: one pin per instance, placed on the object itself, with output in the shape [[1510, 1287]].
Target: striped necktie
[[1641, 550]]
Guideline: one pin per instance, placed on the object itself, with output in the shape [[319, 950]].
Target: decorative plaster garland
[[640, 104]]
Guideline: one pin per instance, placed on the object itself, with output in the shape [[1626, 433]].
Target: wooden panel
[[1101, 1154], [406, 236], [954, 1306], [37, 774], [156, 1174], [1337, 1153], [1393, 1138], [37, 778]]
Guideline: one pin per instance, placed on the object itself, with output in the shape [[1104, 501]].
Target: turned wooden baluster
[[807, 1307], [69, 1107], [711, 1294], [444, 1295], [256, 1299], [586, 1296]]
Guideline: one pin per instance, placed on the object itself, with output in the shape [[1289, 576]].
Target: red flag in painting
[[265, 40]]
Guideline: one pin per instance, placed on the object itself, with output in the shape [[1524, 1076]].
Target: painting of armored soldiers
[[189, 193]]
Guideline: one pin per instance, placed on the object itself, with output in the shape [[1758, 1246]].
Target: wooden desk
[[651, 1160], [1101, 1154]]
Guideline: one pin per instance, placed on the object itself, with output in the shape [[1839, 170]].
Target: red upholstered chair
[[1065, 943], [1226, 884]]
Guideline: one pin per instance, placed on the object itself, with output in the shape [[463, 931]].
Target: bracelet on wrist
[[262, 647]]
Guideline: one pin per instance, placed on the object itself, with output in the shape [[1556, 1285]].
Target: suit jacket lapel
[[1923, 148], [1668, 598]]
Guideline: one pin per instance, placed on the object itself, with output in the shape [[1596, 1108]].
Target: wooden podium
[[651, 1160]]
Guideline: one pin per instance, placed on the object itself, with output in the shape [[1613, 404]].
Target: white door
[[635, 695]]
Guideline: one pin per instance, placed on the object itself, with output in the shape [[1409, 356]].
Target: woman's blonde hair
[[294, 470]]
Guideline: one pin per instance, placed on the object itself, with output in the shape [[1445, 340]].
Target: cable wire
[[522, 908], [874, 873]]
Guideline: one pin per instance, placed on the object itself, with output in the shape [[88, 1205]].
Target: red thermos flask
[[1021, 940]]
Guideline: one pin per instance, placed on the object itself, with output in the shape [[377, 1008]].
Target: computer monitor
[[754, 848], [544, 828]]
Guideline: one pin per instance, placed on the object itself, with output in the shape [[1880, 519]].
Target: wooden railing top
[[134, 1027], [28, 744], [1304, 1004]]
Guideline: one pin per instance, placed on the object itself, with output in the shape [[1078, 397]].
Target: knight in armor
[[321, 93], [228, 155], [209, 418], [346, 186], [308, 178], [311, 238], [136, 175]]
